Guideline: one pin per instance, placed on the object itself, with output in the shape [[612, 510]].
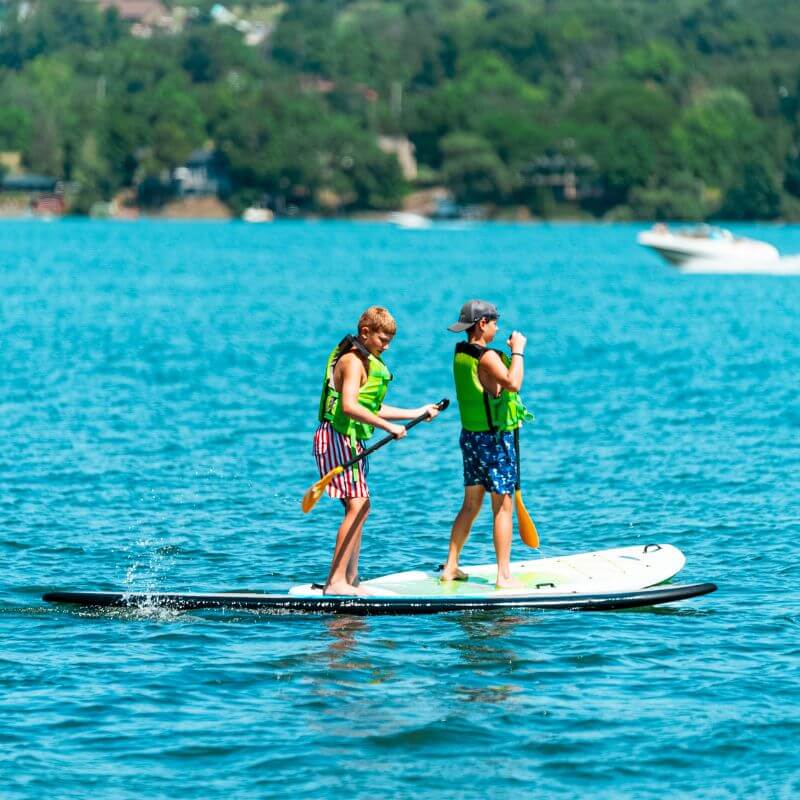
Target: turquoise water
[[159, 386]]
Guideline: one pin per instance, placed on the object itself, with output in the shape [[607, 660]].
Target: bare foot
[[509, 583], [454, 575], [344, 588]]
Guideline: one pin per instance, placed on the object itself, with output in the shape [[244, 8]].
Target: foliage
[[686, 110], [472, 168], [754, 195]]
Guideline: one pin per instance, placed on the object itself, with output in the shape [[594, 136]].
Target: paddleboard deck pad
[[620, 569], [362, 606]]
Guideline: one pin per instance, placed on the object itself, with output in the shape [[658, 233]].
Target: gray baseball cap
[[471, 312]]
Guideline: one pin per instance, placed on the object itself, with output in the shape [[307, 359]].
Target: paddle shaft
[[441, 405], [526, 526]]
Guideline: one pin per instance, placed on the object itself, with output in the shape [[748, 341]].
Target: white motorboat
[[409, 220], [257, 214], [706, 242]]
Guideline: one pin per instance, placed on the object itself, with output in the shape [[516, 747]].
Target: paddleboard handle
[[651, 548]]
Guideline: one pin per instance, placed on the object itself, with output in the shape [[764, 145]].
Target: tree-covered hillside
[[625, 108]]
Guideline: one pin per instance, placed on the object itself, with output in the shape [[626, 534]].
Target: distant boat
[[409, 220], [254, 214], [707, 243]]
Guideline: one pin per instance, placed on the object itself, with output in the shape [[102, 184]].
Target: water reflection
[[342, 632], [485, 648], [485, 635]]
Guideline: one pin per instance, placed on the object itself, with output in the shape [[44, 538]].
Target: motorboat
[[257, 214], [409, 220], [706, 242]]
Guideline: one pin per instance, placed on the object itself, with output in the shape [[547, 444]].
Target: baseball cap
[[471, 312]]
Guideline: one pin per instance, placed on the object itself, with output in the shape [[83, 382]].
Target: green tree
[[754, 195], [490, 100], [92, 175], [622, 125], [658, 62], [208, 54], [15, 127], [680, 197], [791, 180], [716, 136], [473, 170], [47, 26]]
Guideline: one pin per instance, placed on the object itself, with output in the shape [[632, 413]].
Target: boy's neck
[[479, 340]]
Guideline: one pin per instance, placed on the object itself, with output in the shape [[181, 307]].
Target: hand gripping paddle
[[315, 492]]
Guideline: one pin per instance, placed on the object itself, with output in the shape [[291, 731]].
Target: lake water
[[159, 391]]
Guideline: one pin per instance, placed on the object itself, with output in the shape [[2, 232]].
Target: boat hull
[[678, 249]]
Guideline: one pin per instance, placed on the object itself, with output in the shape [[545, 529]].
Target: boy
[[487, 385], [351, 407]]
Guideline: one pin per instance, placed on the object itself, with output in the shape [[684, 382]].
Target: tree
[[681, 196], [488, 99], [754, 195], [473, 170], [716, 136], [791, 180], [623, 126], [15, 127]]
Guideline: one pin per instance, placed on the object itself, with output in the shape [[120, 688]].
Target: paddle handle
[[441, 405]]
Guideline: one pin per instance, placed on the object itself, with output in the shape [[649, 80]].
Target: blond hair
[[377, 319]]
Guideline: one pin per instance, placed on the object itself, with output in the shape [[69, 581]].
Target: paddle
[[315, 492], [527, 530]]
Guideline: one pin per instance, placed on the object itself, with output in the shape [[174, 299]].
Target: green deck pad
[[476, 586]]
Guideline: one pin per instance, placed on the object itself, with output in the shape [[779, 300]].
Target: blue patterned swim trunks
[[489, 460]]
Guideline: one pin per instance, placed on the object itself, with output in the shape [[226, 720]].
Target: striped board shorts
[[332, 449]]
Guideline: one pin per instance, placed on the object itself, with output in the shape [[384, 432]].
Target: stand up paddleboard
[[602, 581], [362, 606]]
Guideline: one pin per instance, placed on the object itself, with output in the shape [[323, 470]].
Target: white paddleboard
[[620, 569]]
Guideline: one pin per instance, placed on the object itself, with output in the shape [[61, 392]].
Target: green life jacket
[[479, 410], [370, 395]]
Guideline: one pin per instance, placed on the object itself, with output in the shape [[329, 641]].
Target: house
[[203, 174], [570, 177], [29, 183], [45, 195], [146, 16]]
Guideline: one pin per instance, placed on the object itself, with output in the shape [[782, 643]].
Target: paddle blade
[[315, 492], [527, 530]]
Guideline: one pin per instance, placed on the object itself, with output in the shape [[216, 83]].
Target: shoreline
[[385, 219]]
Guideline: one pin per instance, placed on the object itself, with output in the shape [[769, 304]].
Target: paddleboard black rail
[[368, 606]]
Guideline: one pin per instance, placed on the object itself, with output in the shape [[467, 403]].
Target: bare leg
[[352, 565], [502, 508], [348, 545], [473, 499]]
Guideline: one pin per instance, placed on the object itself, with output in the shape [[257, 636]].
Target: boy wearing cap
[[351, 407], [487, 387]]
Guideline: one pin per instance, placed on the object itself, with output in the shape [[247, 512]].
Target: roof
[[136, 9], [28, 183]]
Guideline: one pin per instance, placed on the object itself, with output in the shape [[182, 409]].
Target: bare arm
[[494, 372], [351, 372], [392, 412]]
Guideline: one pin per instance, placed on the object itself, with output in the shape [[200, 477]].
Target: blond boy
[[351, 407]]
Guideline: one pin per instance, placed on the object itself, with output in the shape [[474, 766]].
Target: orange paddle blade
[[315, 492], [527, 530]]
